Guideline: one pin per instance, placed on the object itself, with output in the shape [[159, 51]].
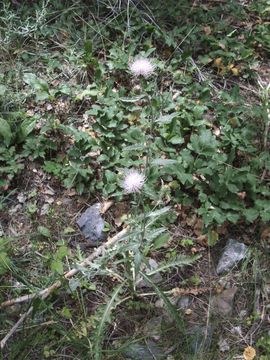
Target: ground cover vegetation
[[179, 143]]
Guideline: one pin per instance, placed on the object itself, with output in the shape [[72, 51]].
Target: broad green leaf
[[212, 237], [5, 131], [36, 83], [3, 90], [163, 162], [44, 231], [26, 127], [251, 214], [166, 119], [161, 241], [4, 262]]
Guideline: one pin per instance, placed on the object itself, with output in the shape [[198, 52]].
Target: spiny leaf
[[159, 212], [181, 260]]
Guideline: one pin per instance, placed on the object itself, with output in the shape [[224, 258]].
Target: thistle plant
[[141, 69]]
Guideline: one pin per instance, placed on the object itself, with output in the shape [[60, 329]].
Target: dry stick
[[15, 327], [43, 294], [105, 206]]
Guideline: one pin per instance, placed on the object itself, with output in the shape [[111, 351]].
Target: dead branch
[[43, 294]]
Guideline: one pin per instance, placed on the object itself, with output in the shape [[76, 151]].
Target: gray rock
[[91, 225], [148, 351], [223, 345], [184, 302], [233, 253], [223, 303], [156, 278]]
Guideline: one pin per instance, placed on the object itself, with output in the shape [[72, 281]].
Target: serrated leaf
[[159, 212], [57, 266], [181, 260]]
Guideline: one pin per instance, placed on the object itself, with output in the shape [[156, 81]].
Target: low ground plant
[[142, 106]]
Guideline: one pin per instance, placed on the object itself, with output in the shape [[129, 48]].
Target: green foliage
[[70, 107], [192, 161], [263, 343], [5, 261]]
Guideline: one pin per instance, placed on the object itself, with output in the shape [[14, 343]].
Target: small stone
[[188, 312], [91, 225], [223, 345], [236, 330], [233, 253], [44, 209], [223, 303], [184, 302]]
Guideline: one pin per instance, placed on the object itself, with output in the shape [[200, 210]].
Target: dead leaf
[[177, 292], [249, 353], [198, 227], [242, 195], [220, 44], [207, 30], [265, 234], [105, 206], [218, 61], [216, 131], [202, 240]]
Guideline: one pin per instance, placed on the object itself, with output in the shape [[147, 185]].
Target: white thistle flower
[[133, 182], [143, 67]]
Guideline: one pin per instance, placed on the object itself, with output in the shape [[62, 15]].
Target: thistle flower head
[[142, 67], [133, 182]]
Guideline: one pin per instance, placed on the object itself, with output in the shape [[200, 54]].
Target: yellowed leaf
[[218, 61], [249, 353], [235, 71]]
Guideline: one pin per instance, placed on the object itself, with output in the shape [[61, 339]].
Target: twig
[[43, 294], [15, 327]]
